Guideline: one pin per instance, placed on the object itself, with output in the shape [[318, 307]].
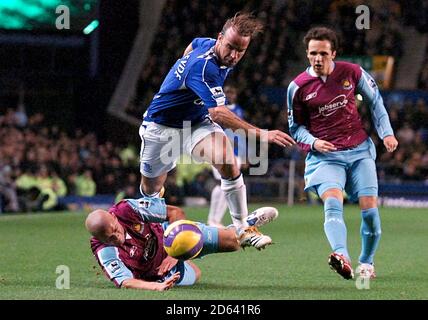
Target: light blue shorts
[[187, 274], [351, 170]]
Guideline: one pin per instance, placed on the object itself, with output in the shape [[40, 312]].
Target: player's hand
[[324, 146], [167, 264], [390, 143], [280, 138], [168, 283]]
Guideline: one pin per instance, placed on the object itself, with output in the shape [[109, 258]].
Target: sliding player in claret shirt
[[324, 120], [127, 241]]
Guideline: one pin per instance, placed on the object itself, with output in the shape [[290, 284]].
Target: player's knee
[[332, 193], [228, 171], [368, 202]]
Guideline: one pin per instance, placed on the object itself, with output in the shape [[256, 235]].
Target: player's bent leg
[[218, 240], [216, 149], [227, 240]]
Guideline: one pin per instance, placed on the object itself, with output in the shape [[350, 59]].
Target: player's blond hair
[[245, 24]]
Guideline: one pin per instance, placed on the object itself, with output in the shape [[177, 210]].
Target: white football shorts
[[161, 146]]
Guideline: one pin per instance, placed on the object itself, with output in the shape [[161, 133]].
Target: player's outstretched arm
[[147, 285], [226, 118]]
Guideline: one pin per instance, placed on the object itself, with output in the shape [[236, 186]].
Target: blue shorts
[[351, 170]]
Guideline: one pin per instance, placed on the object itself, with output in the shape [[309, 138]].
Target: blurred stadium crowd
[[39, 163]]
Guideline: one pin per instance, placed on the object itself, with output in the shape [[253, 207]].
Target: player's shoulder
[[203, 43], [348, 67], [96, 245], [205, 64], [301, 79]]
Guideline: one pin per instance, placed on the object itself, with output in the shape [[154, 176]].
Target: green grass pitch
[[295, 267]]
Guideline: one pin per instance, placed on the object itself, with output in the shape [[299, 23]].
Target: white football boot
[[366, 270], [262, 216], [250, 236]]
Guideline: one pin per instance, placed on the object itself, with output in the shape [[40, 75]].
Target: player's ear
[[333, 54]]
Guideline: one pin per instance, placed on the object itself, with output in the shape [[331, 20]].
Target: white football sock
[[218, 205], [153, 195], [236, 196]]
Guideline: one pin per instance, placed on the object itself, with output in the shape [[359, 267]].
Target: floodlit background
[[71, 102]]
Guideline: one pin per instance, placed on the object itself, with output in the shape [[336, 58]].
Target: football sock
[[370, 234], [218, 205], [236, 197], [334, 226], [153, 195]]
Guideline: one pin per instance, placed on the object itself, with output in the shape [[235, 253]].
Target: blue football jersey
[[193, 85]]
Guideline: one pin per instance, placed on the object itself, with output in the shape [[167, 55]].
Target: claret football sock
[[370, 234], [334, 226]]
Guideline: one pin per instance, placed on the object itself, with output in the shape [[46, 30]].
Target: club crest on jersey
[[147, 167], [138, 227], [347, 85], [311, 96]]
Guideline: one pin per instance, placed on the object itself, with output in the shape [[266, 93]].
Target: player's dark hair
[[245, 24], [322, 33]]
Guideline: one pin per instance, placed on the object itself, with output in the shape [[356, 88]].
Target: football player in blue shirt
[[188, 113]]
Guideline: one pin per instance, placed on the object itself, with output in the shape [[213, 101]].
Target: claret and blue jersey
[[326, 109], [193, 85]]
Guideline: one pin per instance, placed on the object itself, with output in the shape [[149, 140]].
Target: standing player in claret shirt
[[323, 118]]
